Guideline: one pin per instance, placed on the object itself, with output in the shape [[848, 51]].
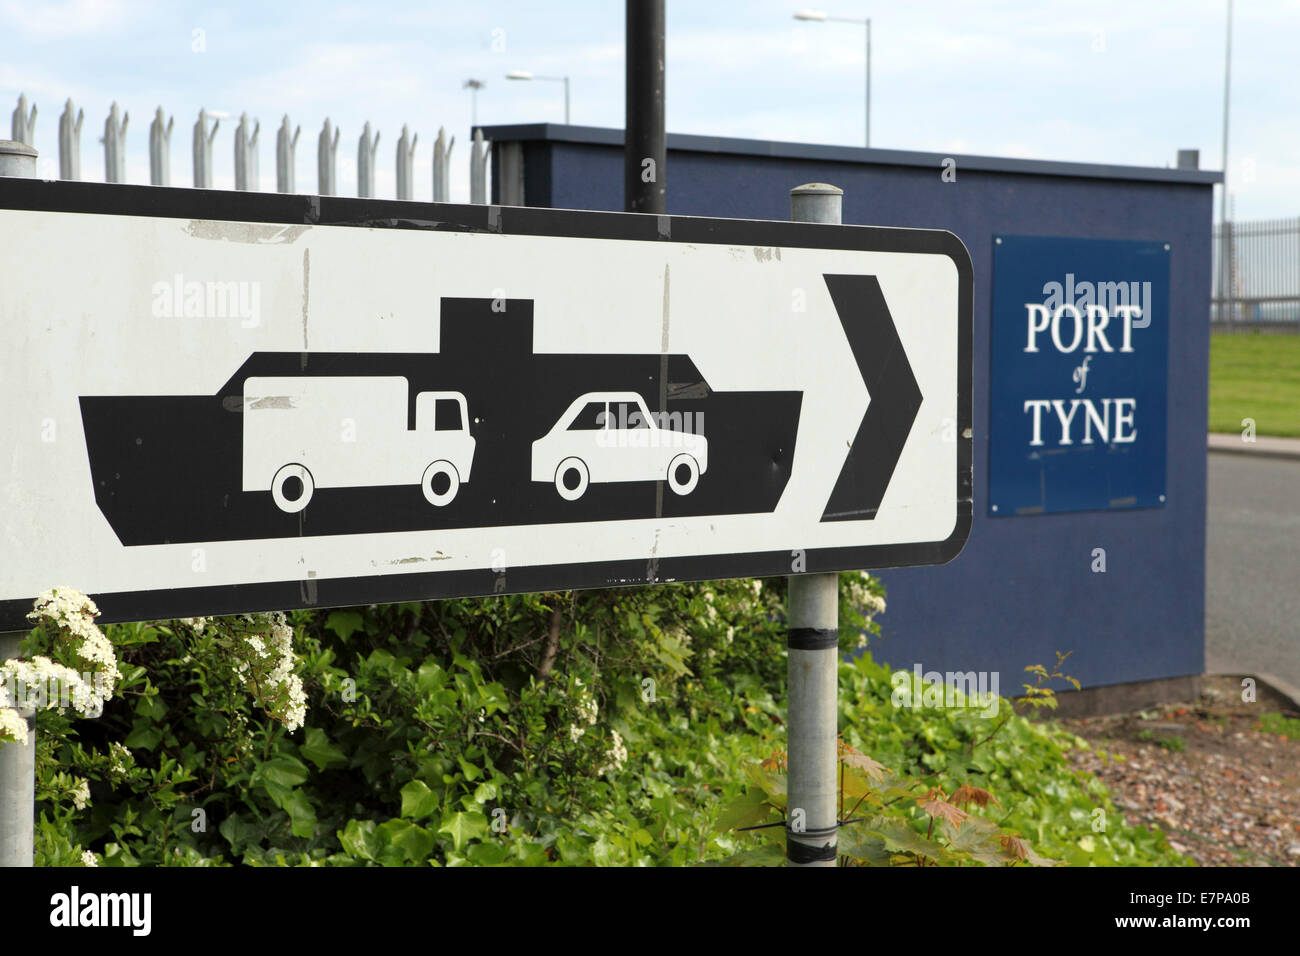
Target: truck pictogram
[[304, 433]]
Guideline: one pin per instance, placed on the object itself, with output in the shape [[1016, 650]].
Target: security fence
[[1257, 273], [246, 137]]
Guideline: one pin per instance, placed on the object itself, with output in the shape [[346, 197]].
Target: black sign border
[[296, 209]]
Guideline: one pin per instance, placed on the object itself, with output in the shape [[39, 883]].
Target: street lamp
[[525, 75], [821, 16], [473, 86]]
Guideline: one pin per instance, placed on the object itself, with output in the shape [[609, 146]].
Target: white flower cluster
[[89, 859], [47, 683], [268, 660], [616, 757], [119, 759], [862, 598], [588, 711], [12, 726], [81, 794], [198, 623]]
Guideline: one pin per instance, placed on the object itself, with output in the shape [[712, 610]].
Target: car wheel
[[571, 479], [440, 483], [683, 474], [292, 488]]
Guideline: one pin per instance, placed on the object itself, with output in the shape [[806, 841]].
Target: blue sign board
[[1078, 377]]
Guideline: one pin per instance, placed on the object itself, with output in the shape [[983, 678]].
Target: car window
[[591, 418], [627, 415], [446, 416]]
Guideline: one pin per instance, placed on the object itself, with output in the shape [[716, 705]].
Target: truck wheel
[[683, 474], [571, 479], [440, 483], [292, 488]]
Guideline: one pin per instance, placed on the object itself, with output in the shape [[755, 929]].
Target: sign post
[[813, 641], [17, 761]]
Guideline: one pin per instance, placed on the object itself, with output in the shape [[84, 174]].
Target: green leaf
[[359, 839], [471, 772], [769, 854], [239, 833], [413, 842], [863, 846], [344, 623], [463, 827], [418, 801], [302, 815], [151, 706], [901, 838], [317, 748], [748, 809], [487, 854], [281, 769], [145, 735]]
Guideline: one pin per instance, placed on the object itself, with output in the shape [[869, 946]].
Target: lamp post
[[525, 75], [820, 16], [473, 86]]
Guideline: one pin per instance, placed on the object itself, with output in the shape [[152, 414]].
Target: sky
[[1125, 82]]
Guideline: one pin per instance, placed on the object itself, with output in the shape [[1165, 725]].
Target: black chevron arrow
[[895, 398]]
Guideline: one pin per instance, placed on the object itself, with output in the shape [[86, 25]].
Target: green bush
[[603, 727]]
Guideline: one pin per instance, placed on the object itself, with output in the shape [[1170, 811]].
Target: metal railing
[[1256, 273], [246, 135]]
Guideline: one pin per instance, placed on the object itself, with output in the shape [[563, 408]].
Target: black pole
[[645, 152]]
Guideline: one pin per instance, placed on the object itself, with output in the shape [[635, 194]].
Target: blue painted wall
[[1022, 588]]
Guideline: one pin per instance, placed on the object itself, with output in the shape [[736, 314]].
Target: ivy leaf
[[359, 839], [418, 801], [414, 842], [463, 827]]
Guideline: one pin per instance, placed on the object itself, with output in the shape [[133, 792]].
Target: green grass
[[1255, 376], [1289, 727]]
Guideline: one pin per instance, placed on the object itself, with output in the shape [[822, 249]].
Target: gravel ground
[[1225, 792]]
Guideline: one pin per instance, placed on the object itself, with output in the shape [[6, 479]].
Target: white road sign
[[218, 402]]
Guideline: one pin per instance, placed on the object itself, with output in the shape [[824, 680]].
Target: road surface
[[1252, 612]]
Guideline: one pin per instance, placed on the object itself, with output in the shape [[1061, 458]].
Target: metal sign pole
[[17, 761], [645, 150], [17, 783], [813, 641]]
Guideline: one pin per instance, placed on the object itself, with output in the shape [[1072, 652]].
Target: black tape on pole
[[796, 852], [813, 638]]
